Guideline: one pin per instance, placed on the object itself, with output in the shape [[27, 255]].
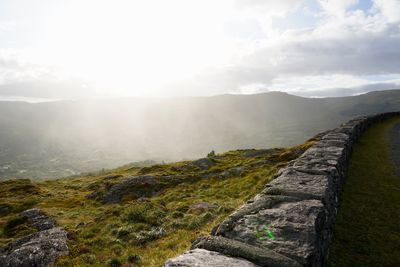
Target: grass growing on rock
[[367, 231], [143, 231]]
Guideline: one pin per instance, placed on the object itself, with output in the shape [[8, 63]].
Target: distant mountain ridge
[[62, 138]]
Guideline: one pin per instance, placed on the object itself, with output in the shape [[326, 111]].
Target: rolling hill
[[62, 138]]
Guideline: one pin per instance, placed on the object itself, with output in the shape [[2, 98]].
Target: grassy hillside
[[50, 140], [367, 230], [148, 228]]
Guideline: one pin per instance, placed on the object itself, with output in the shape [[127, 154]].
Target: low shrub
[[144, 213], [177, 214], [88, 258], [134, 258], [114, 262], [16, 224], [117, 250], [143, 237]]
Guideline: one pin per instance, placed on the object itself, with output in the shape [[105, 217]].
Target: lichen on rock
[[39, 249]]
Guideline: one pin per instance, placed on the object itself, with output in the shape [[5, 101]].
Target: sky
[[68, 49]]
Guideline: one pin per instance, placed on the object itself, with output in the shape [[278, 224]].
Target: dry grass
[[144, 233]]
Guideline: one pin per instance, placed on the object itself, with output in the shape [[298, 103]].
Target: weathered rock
[[296, 227], [205, 258], [203, 163], [233, 172], [140, 186], [38, 219], [228, 173], [260, 256], [259, 202], [302, 185], [39, 249]]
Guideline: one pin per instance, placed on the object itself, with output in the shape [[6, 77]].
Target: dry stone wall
[[290, 222]]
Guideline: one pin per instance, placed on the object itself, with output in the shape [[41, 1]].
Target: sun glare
[[139, 45]]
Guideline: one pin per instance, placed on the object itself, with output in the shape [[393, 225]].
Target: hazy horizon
[[34, 100]]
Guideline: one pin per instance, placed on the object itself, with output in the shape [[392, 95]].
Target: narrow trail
[[367, 230]]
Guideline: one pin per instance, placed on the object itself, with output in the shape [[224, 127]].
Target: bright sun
[[136, 45]]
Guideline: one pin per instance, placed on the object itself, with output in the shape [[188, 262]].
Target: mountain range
[[62, 138]]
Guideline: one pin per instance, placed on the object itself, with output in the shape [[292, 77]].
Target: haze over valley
[[63, 138]]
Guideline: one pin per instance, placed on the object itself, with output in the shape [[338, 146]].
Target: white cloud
[[206, 47], [337, 7], [6, 26], [390, 9], [269, 7], [332, 55]]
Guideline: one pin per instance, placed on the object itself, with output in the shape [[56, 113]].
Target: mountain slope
[[154, 213], [67, 137]]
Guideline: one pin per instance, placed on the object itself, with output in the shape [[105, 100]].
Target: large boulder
[[203, 163], [140, 186], [38, 219], [40, 249]]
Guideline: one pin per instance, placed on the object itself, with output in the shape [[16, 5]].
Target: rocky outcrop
[[40, 249], [290, 222], [130, 186], [203, 163], [135, 187], [138, 187], [38, 219]]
